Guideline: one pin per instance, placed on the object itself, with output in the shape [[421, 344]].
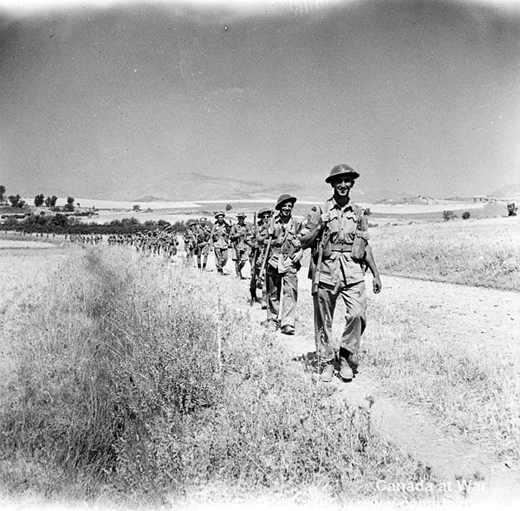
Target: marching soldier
[[240, 249], [220, 241], [189, 240], [284, 254], [337, 234], [258, 250], [203, 240]]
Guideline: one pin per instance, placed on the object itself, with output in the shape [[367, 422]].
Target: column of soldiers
[[337, 235]]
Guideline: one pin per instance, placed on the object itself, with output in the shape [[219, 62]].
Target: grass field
[[129, 379], [471, 252]]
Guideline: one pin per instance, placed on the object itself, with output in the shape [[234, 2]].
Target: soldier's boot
[[347, 363], [327, 372]]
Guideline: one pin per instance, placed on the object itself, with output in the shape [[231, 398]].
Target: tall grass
[[476, 253], [132, 378]]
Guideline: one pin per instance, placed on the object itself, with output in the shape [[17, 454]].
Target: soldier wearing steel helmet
[[203, 240], [255, 241], [220, 241], [240, 249], [337, 233], [284, 253], [189, 240]]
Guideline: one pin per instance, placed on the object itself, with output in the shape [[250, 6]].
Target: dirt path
[[466, 314]]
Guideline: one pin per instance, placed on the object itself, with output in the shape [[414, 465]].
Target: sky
[[125, 98]]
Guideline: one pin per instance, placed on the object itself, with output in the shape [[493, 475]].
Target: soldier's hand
[[325, 217], [297, 256], [376, 284]]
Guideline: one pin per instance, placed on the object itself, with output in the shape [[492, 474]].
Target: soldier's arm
[[371, 263]]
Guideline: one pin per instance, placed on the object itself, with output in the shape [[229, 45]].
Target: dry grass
[[132, 381], [475, 253]]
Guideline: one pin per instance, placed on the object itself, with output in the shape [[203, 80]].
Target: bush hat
[[192, 222], [285, 197], [241, 215], [341, 170], [219, 213], [203, 219]]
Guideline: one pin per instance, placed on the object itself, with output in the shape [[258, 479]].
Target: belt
[[341, 247], [278, 250]]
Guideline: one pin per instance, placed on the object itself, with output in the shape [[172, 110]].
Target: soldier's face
[[286, 209], [342, 185]]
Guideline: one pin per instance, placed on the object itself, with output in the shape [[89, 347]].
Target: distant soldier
[[337, 233], [220, 241], [511, 209], [284, 254], [240, 249], [190, 241], [203, 240]]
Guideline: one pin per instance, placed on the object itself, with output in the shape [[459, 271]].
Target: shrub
[[465, 215], [448, 215]]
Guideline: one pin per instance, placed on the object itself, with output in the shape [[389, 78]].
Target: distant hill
[[509, 191], [197, 186], [149, 198]]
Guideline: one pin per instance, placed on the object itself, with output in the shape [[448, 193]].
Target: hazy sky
[[418, 96]]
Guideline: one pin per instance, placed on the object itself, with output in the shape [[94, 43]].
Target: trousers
[[355, 298], [289, 282]]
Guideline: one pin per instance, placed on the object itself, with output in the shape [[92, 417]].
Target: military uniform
[[238, 236], [335, 232], [189, 240], [203, 239], [220, 242], [338, 275], [283, 263], [256, 242]]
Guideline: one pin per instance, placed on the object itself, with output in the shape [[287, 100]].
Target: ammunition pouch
[[359, 245]]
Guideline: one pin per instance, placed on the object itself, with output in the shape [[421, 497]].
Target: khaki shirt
[[336, 266], [283, 241], [239, 235], [220, 235]]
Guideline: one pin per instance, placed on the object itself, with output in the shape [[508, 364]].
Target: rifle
[[252, 285], [263, 268]]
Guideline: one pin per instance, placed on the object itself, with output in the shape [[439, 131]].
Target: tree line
[[63, 224]]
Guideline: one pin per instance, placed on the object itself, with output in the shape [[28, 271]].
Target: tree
[[14, 200], [465, 215], [70, 204], [39, 200], [137, 207], [448, 215], [511, 209], [2, 192], [53, 201], [229, 207]]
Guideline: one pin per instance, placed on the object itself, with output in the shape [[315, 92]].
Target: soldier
[[238, 236], [337, 233], [255, 241], [203, 237], [189, 240], [284, 254], [220, 241]]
